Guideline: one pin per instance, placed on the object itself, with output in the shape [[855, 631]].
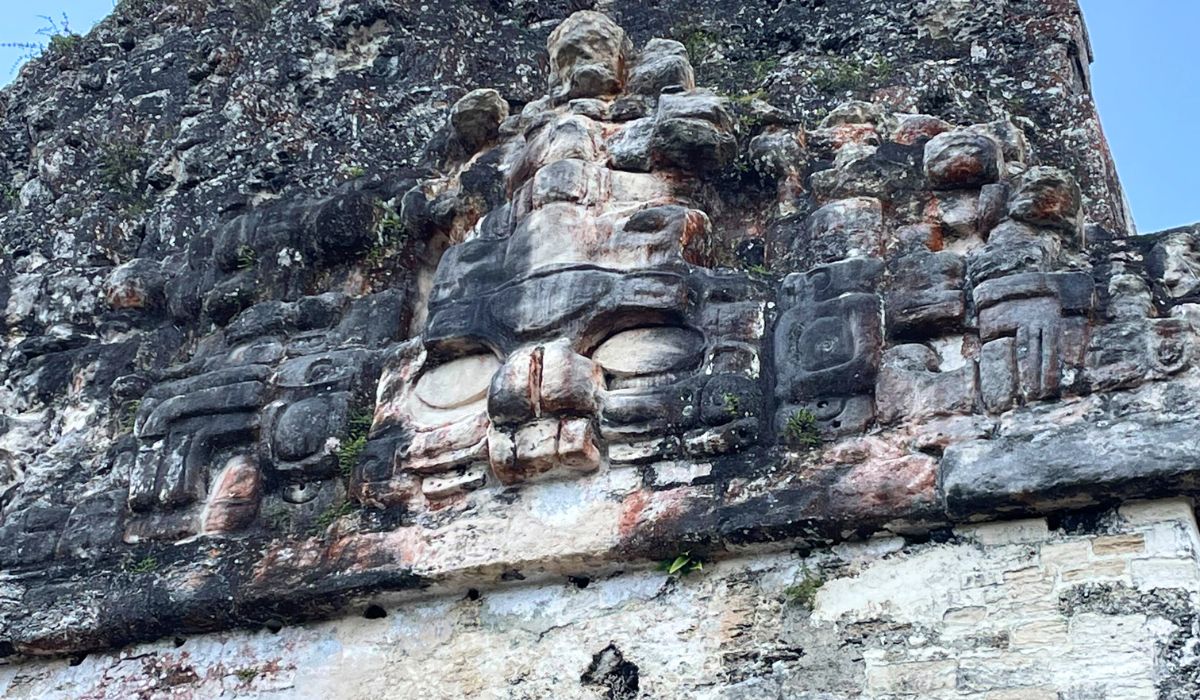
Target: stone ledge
[[991, 612], [609, 524]]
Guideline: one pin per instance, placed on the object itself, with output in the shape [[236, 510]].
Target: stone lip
[[1071, 454], [1083, 464], [105, 604], [1050, 458]]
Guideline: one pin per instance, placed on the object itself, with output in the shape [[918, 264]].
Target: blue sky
[[1146, 79]]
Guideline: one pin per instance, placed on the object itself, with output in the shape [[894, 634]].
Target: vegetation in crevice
[[803, 593], [682, 564], [801, 429]]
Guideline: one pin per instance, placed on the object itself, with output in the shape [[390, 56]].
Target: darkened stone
[[926, 294], [828, 337], [1091, 461], [660, 64]]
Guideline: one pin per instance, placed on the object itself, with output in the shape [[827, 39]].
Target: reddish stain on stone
[[919, 128], [890, 487], [843, 134], [631, 513]]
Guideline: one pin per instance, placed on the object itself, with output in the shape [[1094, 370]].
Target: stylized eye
[[458, 383], [319, 370], [643, 351]]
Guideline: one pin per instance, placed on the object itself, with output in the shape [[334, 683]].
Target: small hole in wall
[[472, 594], [579, 582], [76, 659], [178, 642], [273, 625], [836, 423], [7, 649], [374, 612]]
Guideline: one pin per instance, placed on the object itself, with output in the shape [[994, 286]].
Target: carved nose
[[548, 380], [541, 404]]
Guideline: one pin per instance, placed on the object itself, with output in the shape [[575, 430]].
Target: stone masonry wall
[[378, 348], [1099, 605]]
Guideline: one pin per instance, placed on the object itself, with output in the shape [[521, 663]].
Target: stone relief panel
[[685, 306], [578, 314], [579, 323]]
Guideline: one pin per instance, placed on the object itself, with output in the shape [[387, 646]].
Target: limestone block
[[588, 55], [926, 295], [694, 132], [962, 159], [1048, 197], [913, 129], [848, 228], [911, 385], [661, 64], [828, 337], [476, 117]]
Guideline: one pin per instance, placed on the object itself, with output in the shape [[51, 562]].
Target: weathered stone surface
[[295, 311], [1047, 196], [1093, 453], [913, 386], [662, 64], [588, 56], [1017, 609]]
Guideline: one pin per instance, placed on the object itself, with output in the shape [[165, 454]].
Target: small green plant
[[681, 565], [759, 270], [803, 593], [802, 430], [143, 566], [247, 257], [330, 515], [843, 74], [700, 44], [390, 226], [9, 196], [748, 121], [731, 404], [62, 41], [355, 441], [246, 675], [130, 417], [121, 163], [354, 172], [389, 233], [64, 44], [348, 454], [278, 517], [763, 68]]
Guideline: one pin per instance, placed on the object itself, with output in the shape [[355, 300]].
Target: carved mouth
[[543, 447], [648, 381]]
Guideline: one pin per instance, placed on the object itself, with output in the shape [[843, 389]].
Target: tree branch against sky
[[1143, 78]]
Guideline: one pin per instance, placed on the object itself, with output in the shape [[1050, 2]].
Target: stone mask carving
[[577, 323]]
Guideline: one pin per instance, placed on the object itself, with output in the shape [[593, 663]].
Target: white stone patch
[[975, 619], [458, 383]]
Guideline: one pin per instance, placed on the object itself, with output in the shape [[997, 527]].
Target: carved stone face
[[541, 375], [576, 326]]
